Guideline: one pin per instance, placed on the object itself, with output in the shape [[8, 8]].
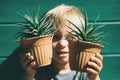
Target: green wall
[[110, 15]]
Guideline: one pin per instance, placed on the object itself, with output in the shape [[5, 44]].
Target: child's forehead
[[62, 31]]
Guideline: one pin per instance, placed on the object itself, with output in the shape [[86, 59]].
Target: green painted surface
[[2, 60], [112, 39], [110, 69], [109, 11], [7, 41]]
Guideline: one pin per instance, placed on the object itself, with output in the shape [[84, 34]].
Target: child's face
[[61, 46]]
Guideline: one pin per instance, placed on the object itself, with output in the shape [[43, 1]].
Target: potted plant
[[84, 43], [36, 37]]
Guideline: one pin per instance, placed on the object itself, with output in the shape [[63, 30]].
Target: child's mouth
[[63, 53]]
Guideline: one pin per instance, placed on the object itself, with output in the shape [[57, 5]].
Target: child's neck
[[62, 68]]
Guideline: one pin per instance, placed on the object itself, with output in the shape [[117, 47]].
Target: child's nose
[[63, 42]]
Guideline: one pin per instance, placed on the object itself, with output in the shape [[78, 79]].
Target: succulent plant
[[34, 27], [84, 32]]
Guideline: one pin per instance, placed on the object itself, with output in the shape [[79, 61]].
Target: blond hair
[[64, 12]]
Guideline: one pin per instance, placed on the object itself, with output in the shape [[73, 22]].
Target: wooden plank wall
[[110, 15]]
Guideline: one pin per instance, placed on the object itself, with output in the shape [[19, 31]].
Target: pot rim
[[35, 37], [86, 42]]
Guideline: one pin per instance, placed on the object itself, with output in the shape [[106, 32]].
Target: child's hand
[[28, 63], [94, 67]]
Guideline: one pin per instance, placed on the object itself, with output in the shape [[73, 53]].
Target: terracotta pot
[[81, 52], [40, 48]]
